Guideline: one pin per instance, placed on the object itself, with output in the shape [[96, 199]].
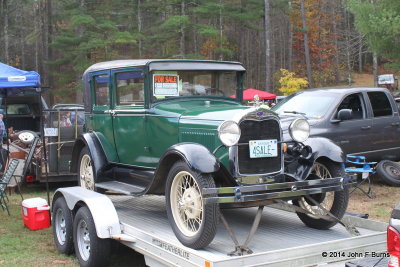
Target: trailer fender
[[196, 156], [99, 158], [102, 209]]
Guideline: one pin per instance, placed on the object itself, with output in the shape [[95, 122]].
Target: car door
[[385, 126], [351, 135], [129, 117], [100, 118]]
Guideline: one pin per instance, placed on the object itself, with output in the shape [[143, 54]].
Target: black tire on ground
[[339, 199], [62, 226], [89, 179], [389, 172], [184, 202], [90, 250]]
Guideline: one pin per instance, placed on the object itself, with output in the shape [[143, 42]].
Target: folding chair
[[5, 179]]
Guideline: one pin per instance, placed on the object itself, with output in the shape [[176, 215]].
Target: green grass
[[20, 246]]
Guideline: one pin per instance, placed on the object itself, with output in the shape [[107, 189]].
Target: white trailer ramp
[[281, 240]]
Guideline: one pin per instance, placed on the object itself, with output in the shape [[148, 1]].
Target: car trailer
[[141, 223]]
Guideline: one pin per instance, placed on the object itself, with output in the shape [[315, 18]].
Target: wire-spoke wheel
[[186, 203], [62, 226], [90, 250], [334, 202], [194, 223], [85, 172]]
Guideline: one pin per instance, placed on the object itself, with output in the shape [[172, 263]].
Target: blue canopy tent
[[13, 81], [11, 77]]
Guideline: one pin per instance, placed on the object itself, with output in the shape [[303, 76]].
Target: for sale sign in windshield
[[165, 85]]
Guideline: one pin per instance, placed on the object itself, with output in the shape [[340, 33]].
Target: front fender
[[322, 148], [196, 156], [96, 151]]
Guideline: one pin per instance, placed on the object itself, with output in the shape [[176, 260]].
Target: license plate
[[263, 148]]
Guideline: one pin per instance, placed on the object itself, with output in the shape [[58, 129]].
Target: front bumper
[[248, 193]]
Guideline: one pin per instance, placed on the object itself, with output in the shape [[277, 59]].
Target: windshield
[[310, 104], [185, 83]]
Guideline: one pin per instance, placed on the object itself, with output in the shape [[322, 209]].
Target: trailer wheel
[[85, 170], [389, 171], [90, 250], [335, 202], [62, 226], [193, 222]]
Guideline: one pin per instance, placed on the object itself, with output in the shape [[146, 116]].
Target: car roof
[[116, 64], [345, 90]]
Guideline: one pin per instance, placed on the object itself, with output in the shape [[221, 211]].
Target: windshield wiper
[[294, 112]]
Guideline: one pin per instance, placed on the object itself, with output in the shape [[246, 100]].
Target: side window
[[380, 104], [355, 103], [130, 88], [102, 90]]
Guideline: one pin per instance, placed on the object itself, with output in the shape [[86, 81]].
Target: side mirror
[[345, 114]]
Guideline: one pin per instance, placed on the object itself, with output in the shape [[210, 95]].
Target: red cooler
[[36, 213]]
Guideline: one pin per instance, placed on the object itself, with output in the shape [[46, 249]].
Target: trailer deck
[[281, 240]]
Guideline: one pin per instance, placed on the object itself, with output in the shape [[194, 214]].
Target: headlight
[[229, 133], [299, 130]]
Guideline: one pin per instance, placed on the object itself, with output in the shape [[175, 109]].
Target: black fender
[[196, 156], [99, 159], [322, 149]]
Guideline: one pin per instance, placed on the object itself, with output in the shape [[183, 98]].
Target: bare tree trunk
[[221, 28], [139, 22], [5, 32], [182, 39], [306, 47], [348, 48], [375, 67], [80, 32], [267, 28], [290, 42], [336, 58], [360, 51]]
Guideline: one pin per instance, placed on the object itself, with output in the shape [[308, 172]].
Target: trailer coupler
[[243, 249]]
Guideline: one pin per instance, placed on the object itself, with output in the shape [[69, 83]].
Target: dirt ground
[[378, 208]]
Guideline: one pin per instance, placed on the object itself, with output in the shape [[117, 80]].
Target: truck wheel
[[389, 171], [335, 202], [193, 222], [85, 170], [89, 248], [62, 226]]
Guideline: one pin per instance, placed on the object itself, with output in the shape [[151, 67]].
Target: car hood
[[210, 110], [286, 120]]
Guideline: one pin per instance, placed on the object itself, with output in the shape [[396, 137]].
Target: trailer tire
[[185, 201], [86, 175], [90, 250], [389, 172], [338, 199], [62, 226]]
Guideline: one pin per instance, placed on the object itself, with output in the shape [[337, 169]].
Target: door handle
[[395, 123], [365, 127]]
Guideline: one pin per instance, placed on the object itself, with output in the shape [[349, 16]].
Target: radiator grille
[[258, 130]]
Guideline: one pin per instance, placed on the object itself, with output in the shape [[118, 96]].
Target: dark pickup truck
[[362, 121]]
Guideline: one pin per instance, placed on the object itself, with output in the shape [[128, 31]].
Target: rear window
[[18, 109], [380, 104]]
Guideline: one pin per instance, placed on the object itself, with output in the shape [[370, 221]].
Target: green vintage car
[[179, 128]]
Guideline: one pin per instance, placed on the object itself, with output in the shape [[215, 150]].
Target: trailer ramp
[[281, 240]]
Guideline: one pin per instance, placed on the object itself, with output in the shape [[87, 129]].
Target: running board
[[120, 187]]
